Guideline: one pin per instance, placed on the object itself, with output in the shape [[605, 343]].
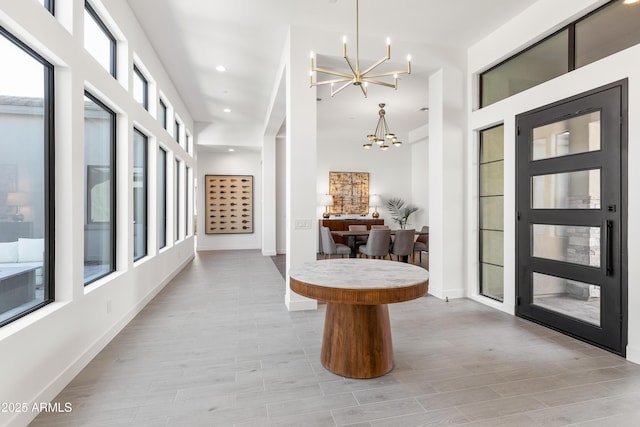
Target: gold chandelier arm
[[388, 73], [381, 83], [333, 92], [333, 73], [326, 82], [354, 71], [374, 66]]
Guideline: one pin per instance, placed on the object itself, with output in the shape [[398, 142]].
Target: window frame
[[113, 189], [178, 207], [481, 260], [163, 114], [571, 51], [163, 154], [145, 86], [48, 258], [145, 184], [114, 42]]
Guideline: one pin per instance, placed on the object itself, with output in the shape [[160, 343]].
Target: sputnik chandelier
[[357, 77], [382, 133]]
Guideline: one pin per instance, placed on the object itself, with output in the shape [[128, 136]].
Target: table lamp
[[326, 200], [374, 201], [17, 199]]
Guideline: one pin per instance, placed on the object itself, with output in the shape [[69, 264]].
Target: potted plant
[[399, 212]]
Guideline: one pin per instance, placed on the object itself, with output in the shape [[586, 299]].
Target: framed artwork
[[350, 191], [98, 194], [8, 184], [228, 204]]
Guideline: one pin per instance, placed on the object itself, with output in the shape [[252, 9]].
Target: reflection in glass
[[162, 114], [491, 209], [25, 101], [540, 63], [568, 297], [568, 243], [610, 30], [579, 134], [98, 41], [571, 190], [139, 194], [492, 179], [176, 202], [99, 154], [140, 88], [162, 198]]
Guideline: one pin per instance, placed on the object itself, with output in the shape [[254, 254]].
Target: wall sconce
[[17, 199], [326, 200], [374, 201]]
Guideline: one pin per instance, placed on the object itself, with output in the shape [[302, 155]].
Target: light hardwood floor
[[217, 347]]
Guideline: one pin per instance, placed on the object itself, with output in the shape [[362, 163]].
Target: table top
[[359, 281], [345, 233], [8, 272]]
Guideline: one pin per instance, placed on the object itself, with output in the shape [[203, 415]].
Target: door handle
[[608, 244]]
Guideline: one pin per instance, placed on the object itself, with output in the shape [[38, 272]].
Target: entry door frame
[[622, 228]]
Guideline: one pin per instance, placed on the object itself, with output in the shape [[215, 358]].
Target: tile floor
[[217, 347]]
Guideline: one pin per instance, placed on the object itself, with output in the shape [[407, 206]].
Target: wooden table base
[[357, 340]]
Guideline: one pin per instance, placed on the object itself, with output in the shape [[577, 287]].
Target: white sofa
[[23, 253]]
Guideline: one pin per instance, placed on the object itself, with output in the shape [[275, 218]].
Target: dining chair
[[403, 243], [360, 240], [384, 227], [377, 243], [422, 243], [329, 246]]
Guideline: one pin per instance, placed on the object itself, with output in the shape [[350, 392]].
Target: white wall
[[419, 145], [239, 162], [545, 18], [41, 352]]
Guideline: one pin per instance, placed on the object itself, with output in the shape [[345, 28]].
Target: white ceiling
[[192, 37]]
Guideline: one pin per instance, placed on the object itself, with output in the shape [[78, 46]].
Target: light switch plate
[[302, 224]]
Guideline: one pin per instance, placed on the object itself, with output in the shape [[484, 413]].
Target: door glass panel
[[579, 134], [571, 190], [568, 297], [568, 243]]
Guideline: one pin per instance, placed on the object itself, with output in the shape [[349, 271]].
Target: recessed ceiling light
[[630, 1], [221, 68], [227, 110], [231, 150]]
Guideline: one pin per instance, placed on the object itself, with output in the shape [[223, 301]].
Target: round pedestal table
[[357, 334]]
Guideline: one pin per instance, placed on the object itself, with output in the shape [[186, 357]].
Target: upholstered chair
[[377, 244], [422, 243], [329, 246], [403, 243]]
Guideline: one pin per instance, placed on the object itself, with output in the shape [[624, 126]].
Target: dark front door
[[571, 230]]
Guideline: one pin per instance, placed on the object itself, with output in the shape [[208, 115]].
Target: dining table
[[351, 236], [356, 341]]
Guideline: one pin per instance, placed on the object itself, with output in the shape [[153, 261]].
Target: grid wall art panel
[[229, 204], [350, 191]]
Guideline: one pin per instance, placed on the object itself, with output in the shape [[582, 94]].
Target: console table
[[357, 333]]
